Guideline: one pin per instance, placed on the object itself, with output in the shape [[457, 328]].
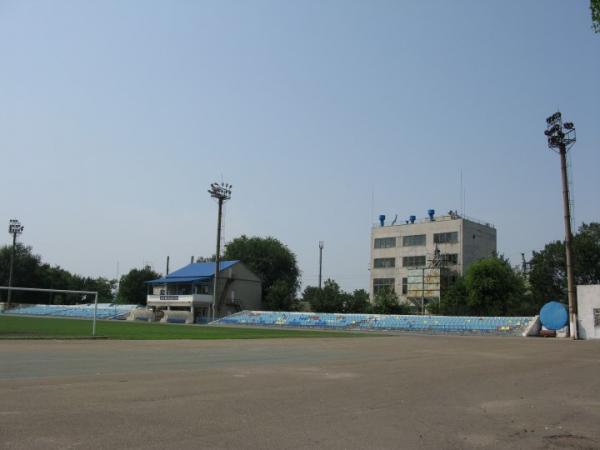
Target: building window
[[381, 263], [597, 317], [411, 241], [445, 238], [450, 259], [383, 283], [405, 286], [389, 242], [413, 261]]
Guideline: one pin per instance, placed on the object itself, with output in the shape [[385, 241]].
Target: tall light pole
[[15, 228], [321, 245], [222, 192], [561, 137]]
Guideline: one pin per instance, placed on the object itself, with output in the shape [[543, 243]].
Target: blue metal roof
[[166, 280], [193, 272]]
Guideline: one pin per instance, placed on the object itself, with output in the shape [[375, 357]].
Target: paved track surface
[[430, 392]]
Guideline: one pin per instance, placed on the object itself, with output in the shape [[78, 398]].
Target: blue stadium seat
[[431, 324], [104, 310]]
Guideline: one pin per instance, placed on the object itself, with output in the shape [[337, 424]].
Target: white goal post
[[61, 291]]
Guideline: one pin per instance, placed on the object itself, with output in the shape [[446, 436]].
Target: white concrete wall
[[479, 242], [245, 288], [588, 299]]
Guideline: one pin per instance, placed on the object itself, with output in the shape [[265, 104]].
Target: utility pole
[[167, 271], [222, 192], [321, 245], [15, 228], [561, 137]]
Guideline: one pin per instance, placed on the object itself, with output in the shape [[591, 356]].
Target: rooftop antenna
[[464, 201], [460, 195], [372, 205]]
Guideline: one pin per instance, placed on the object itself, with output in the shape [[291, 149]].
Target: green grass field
[[50, 328]]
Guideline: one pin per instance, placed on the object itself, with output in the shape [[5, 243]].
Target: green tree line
[[493, 287], [489, 287], [30, 271]]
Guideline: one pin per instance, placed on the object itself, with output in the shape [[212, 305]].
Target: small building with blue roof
[[186, 295]]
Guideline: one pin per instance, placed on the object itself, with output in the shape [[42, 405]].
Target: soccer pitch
[[51, 328]]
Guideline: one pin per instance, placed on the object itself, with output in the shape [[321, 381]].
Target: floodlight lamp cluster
[[15, 227], [221, 191], [560, 135]]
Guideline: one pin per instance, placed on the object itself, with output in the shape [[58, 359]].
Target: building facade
[[408, 257], [187, 293]]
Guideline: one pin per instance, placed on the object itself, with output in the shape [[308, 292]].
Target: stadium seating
[[425, 324], [104, 310]]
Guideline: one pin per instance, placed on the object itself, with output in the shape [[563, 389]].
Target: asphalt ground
[[413, 392]]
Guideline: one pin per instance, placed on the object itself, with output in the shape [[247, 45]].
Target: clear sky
[[115, 117]]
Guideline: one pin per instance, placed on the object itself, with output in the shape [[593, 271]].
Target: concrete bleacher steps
[[504, 326], [177, 317]]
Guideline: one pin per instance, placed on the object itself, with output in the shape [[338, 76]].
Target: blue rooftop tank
[[382, 219], [412, 219], [554, 315], [431, 213]]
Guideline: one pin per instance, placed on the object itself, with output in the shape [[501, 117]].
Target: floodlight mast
[[321, 245], [222, 192], [561, 137], [15, 228]]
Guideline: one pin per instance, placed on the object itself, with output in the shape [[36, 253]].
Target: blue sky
[[115, 117]]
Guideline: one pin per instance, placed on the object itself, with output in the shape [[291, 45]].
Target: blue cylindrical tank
[[554, 315], [431, 213], [412, 219], [382, 219]]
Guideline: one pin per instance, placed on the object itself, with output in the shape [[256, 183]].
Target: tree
[[332, 299], [103, 286], [454, 300], [329, 299], [310, 296], [595, 8], [493, 288], [273, 262], [386, 302], [281, 298], [357, 302], [26, 270], [30, 271], [132, 288], [489, 288], [548, 277]]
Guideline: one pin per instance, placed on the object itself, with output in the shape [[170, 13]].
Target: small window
[[383, 283], [388, 242], [381, 263], [405, 286], [597, 317], [415, 240], [450, 259], [413, 261], [445, 238]]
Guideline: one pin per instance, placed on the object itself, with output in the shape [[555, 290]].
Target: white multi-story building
[[451, 241]]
